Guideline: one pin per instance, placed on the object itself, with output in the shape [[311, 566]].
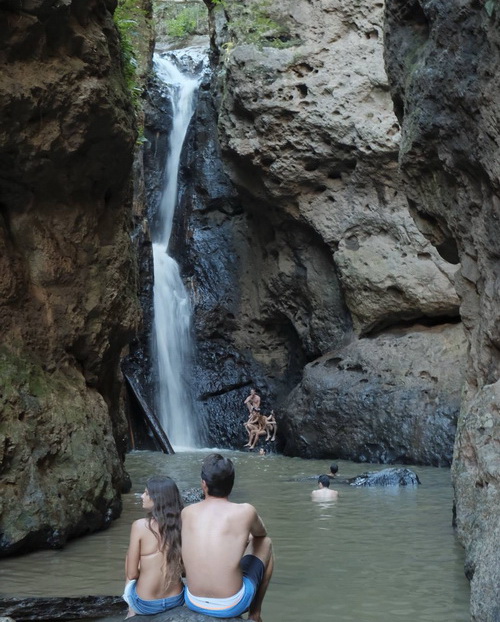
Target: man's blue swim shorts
[[253, 572]]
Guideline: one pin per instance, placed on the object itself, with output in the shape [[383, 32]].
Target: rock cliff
[[305, 242], [443, 60], [68, 302]]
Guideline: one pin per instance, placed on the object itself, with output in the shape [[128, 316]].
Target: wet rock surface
[[182, 614], [192, 495], [67, 280], [450, 165], [365, 403], [64, 608], [386, 477], [87, 607]]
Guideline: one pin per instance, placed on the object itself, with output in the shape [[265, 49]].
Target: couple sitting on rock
[[225, 551]]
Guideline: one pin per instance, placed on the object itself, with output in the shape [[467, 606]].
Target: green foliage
[[186, 22], [127, 18], [254, 24]]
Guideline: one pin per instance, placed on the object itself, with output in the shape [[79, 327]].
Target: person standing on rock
[[226, 551], [153, 566], [324, 493]]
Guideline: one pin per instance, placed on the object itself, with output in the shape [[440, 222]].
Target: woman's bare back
[[151, 582]]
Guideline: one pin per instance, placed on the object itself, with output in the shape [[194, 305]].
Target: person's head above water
[[324, 480], [334, 468], [218, 474]]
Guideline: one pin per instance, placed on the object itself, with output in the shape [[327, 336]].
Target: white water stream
[[172, 345]]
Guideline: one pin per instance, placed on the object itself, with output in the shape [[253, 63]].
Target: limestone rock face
[[67, 273], [443, 60], [300, 241], [308, 131], [366, 402]]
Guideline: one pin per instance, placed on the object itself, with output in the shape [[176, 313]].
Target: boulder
[[87, 607], [386, 477], [394, 398]]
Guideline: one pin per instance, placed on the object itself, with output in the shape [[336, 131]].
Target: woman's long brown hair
[[167, 514]]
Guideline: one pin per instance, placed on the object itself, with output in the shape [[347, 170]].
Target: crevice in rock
[[227, 389], [436, 231], [426, 321]]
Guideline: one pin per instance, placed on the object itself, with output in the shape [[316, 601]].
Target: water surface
[[374, 555]]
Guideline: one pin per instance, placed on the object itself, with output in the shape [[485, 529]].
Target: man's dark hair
[[334, 468], [324, 480], [218, 474]]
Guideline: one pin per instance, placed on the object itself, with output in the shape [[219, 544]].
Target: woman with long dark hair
[[153, 565]]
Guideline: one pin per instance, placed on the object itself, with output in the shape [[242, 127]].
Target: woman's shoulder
[[141, 524]]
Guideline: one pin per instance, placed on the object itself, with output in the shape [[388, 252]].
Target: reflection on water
[[374, 555]]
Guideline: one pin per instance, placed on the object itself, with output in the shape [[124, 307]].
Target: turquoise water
[[374, 555]]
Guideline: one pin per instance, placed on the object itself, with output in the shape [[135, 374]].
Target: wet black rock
[[192, 495], [181, 614], [64, 608], [87, 607], [386, 477]]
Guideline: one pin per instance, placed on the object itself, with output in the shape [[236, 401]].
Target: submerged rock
[[386, 477]]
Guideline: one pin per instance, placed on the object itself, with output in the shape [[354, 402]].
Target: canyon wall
[[68, 282], [301, 245], [443, 59]]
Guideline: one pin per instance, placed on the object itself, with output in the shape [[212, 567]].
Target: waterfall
[[172, 309]]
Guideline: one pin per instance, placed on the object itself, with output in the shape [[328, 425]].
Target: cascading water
[[172, 309]]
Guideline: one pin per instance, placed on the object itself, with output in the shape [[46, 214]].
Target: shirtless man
[[271, 427], [324, 493], [226, 552], [252, 402]]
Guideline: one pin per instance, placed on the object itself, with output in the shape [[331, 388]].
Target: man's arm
[[257, 527]]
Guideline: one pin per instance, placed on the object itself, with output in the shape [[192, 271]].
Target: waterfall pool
[[374, 555]]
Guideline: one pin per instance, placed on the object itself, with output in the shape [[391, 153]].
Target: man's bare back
[[226, 552], [323, 492], [215, 534]]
